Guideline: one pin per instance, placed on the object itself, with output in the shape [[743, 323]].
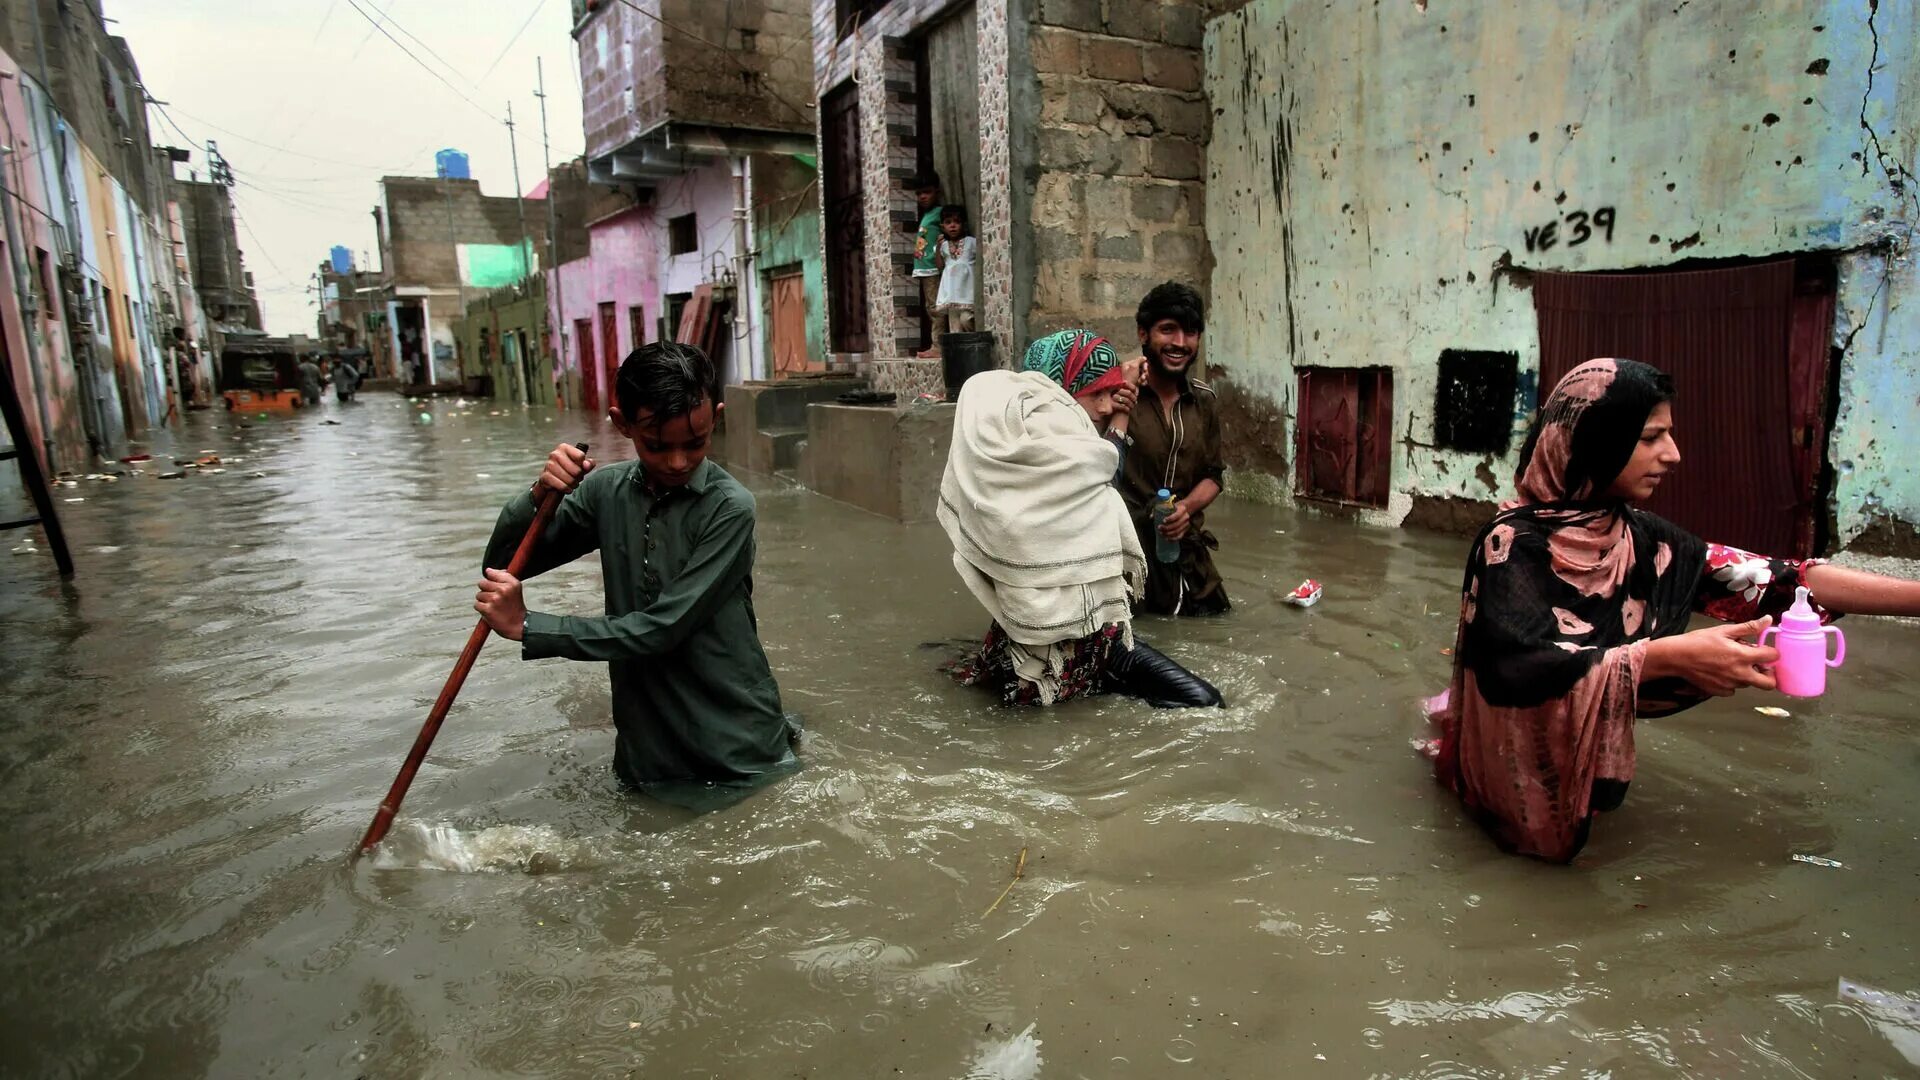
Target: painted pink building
[[605, 304]]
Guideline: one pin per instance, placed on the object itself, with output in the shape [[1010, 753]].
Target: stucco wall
[[39, 343], [1374, 168], [786, 232], [622, 267], [708, 194]]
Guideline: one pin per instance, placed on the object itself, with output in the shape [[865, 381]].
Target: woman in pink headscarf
[[1574, 614]]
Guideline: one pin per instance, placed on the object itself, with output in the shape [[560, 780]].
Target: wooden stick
[[1018, 868], [389, 806]]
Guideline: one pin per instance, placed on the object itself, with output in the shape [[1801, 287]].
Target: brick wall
[[1119, 147]]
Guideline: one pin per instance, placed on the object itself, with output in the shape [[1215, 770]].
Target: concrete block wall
[[1118, 151], [427, 216], [643, 68], [760, 79]]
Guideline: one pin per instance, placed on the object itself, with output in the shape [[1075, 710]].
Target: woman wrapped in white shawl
[[1041, 537]]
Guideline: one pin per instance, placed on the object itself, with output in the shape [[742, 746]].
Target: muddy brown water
[[197, 731]]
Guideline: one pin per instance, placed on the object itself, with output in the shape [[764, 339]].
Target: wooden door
[[788, 290], [589, 372], [846, 220], [609, 347]]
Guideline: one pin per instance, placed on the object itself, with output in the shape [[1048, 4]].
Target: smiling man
[[694, 700], [1176, 446]]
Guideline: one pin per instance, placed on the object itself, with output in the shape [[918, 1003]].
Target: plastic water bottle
[[1164, 549], [1802, 670]]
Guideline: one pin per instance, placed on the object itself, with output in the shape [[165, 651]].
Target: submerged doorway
[[1749, 348]]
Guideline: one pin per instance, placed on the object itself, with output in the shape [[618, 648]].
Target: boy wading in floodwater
[[694, 702]]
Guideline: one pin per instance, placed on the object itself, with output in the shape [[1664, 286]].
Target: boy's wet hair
[[954, 212], [1172, 300], [929, 182], [666, 379]]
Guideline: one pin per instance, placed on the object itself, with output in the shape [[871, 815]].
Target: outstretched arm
[[1857, 592]]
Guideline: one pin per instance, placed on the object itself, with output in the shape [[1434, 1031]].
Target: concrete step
[[781, 446]]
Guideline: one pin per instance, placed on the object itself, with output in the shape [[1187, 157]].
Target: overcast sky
[[311, 105]]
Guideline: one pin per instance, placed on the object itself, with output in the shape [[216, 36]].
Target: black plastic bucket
[[962, 356]]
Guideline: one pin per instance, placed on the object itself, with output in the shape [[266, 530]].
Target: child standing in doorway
[[958, 252], [926, 243]]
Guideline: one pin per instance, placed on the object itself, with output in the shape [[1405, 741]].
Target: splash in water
[[527, 849], [1015, 1058]]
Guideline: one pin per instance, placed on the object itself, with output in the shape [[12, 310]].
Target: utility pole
[[519, 201], [557, 306]]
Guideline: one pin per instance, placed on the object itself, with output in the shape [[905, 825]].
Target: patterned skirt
[[1081, 675]]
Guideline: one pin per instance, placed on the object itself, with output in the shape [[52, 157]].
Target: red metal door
[[589, 374], [1342, 447], [1724, 336]]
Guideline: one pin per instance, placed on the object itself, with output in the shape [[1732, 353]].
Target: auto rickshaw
[[260, 375]]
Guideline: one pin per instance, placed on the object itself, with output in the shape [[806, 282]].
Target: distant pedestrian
[[957, 252], [183, 374], [346, 380], [926, 268], [310, 378]]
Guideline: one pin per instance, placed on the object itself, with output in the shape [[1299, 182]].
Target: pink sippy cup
[[1802, 670]]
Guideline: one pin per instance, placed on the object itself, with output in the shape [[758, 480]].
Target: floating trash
[[426, 418], [1816, 860], [171, 475], [482, 476], [1306, 594], [1771, 710], [74, 500]]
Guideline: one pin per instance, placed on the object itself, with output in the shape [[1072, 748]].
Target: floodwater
[[196, 732]]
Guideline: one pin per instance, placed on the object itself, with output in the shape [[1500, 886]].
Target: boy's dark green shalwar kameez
[[694, 701]]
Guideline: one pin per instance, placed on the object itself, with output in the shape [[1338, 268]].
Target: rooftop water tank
[[451, 164], [342, 257]]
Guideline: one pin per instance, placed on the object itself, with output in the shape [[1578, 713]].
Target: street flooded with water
[[199, 727]]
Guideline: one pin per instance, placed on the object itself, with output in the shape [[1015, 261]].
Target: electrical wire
[[257, 142], [538, 6], [355, 5]]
